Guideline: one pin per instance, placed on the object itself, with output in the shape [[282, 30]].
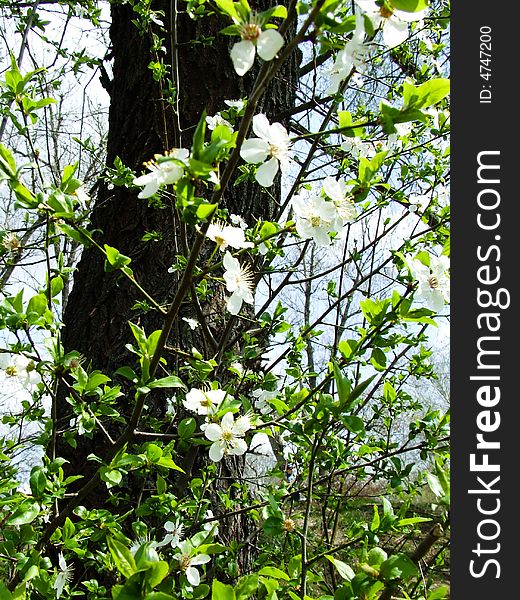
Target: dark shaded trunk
[[141, 124]]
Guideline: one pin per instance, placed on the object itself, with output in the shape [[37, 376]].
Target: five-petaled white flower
[[239, 282], [418, 203], [393, 22], [215, 121], [63, 577], [204, 402], [165, 170], [272, 143], [434, 281], [192, 323], [211, 525], [337, 191], [261, 399], [228, 437], [226, 235], [174, 530], [357, 147], [188, 561], [20, 367], [266, 42], [351, 56], [315, 218]]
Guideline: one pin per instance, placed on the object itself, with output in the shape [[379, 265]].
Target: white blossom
[[351, 56], [63, 577], [433, 282], [238, 221], [238, 104], [337, 191], [261, 399], [418, 203], [204, 402], [394, 23], [174, 532], [188, 561], [271, 148], [228, 436], [315, 218], [239, 282], [211, 525], [356, 147], [215, 121], [192, 323], [226, 235], [266, 43], [11, 242], [21, 368], [165, 170]]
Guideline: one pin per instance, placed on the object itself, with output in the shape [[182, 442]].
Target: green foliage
[[319, 380]]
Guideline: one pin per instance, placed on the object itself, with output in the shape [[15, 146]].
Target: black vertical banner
[[485, 359]]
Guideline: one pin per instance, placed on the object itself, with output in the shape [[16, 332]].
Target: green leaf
[[378, 359], [412, 521], [354, 424], [228, 8], [274, 572], [345, 572], [187, 427], [425, 95], [56, 285], [38, 481], [122, 556], [355, 395], [156, 573], [25, 513], [441, 593], [37, 304], [399, 566], [115, 260], [171, 381], [342, 384], [221, 591], [409, 5], [167, 463], [127, 373], [246, 586], [153, 453], [5, 594], [273, 526], [197, 146], [347, 348], [205, 209]]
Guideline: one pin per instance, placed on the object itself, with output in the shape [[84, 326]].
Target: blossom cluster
[[322, 217]]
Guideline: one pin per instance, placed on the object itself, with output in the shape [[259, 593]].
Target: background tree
[[197, 441]]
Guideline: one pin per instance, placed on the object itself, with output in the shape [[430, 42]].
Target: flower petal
[[192, 575], [216, 452], [230, 262], [213, 432], [395, 32], [239, 447], [243, 56], [254, 150], [405, 15], [267, 172], [200, 559], [234, 303], [261, 126], [269, 43]]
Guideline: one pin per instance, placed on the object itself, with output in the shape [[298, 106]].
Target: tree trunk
[[140, 125]]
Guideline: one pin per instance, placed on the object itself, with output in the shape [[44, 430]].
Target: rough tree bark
[[140, 124]]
